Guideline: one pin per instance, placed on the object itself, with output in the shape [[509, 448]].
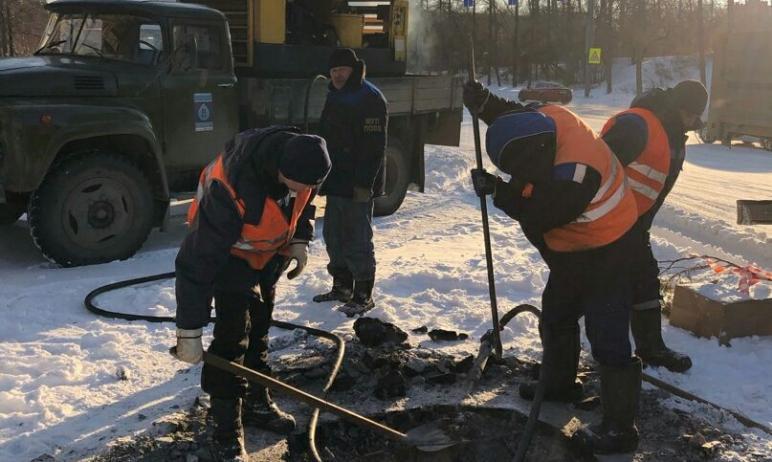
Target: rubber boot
[[260, 411], [649, 345], [617, 433], [362, 301], [228, 436], [560, 362], [342, 289]]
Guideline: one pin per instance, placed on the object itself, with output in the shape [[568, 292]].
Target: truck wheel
[[91, 208], [766, 143], [705, 136], [397, 181]]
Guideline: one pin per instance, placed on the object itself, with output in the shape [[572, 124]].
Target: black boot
[[260, 411], [228, 436], [560, 360], [617, 433], [362, 301], [342, 289], [649, 346]]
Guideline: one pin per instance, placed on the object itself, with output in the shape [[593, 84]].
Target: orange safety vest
[[612, 212], [647, 174], [258, 242]]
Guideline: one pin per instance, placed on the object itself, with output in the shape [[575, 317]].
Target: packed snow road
[[70, 382]]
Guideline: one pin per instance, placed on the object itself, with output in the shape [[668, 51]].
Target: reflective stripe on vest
[[612, 212], [649, 171], [258, 243]]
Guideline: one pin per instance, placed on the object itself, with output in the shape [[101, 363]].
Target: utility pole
[[587, 45], [701, 45]]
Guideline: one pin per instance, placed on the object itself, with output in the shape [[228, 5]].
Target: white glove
[[298, 251], [189, 347]]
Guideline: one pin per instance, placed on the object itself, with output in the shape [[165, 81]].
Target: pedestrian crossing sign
[[594, 57]]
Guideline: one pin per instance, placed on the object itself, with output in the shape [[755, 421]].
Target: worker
[[568, 192], [353, 122], [252, 216], [649, 139]]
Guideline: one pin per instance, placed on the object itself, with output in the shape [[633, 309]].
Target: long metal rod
[[307, 398], [484, 210]]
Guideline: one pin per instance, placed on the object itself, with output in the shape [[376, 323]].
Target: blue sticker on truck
[[203, 112]]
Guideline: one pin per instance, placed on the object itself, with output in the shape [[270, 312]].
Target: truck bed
[[283, 100]]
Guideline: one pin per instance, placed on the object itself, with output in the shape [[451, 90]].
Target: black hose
[[88, 302], [533, 416]]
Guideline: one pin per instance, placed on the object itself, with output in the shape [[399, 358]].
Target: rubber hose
[[88, 302]]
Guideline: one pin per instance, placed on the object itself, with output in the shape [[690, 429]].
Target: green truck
[[126, 101]]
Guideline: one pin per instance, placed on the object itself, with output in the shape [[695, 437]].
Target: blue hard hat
[[513, 128]]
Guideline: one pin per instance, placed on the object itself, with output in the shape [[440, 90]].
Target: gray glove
[[189, 347], [297, 250]]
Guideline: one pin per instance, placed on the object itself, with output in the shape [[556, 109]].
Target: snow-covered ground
[[71, 382]]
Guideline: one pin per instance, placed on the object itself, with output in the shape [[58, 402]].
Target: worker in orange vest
[[568, 192], [251, 217], [649, 139]]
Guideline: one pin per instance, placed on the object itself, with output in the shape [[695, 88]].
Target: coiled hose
[[339, 342]]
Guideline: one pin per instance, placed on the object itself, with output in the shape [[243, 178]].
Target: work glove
[[475, 96], [484, 183], [297, 250], [361, 195], [189, 347]]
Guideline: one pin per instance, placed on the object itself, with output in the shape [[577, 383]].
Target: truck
[[741, 82], [741, 90], [126, 101]]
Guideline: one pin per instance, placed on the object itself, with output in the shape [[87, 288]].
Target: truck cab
[[125, 101], [122, 103]]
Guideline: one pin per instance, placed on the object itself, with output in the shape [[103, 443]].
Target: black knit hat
[[305, 159], [343, 57], [691, 96]]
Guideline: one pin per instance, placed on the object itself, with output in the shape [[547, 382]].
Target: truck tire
[[766, 143], [705, 136], [397, 181], [92, 208]]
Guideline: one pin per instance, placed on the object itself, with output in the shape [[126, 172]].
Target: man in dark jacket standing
[[649, 139], [251, 216], [354, 123]]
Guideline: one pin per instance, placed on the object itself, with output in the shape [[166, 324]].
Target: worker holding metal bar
[[252, 215], [569, 194], [649, 139]]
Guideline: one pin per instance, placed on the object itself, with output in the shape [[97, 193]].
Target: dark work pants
[[594, 284], [243, 299], [645, 278], [348, 236]]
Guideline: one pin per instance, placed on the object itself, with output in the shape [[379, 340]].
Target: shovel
[[426, 438]]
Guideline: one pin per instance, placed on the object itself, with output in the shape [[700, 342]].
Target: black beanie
[[343, 57], [691, 96], [305, 159]]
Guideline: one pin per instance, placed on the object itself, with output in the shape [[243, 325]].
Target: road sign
[[594, 57], [512, 2], [468, 3]]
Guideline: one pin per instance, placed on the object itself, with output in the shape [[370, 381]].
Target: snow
[[71, 382]]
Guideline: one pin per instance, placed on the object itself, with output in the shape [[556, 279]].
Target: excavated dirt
[[405, 387]]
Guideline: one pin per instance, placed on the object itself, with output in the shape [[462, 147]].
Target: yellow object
[[398, 29], [594, 57], [269, 24], [349, 28]]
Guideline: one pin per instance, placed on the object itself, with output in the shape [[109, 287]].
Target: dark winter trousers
[[645, 276], [348, 235], [243, 301], [594, 284]]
